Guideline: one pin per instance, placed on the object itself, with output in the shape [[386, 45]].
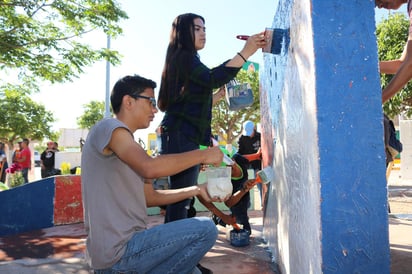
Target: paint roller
[[275, 38]]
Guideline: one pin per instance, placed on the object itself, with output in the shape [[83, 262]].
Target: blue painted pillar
[[322, 118]]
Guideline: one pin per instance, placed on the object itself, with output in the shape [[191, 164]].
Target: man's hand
[[205, 195], [213, 156]]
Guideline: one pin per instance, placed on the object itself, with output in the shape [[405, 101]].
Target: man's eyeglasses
[[151, 99]]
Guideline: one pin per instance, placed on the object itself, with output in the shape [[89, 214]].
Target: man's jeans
[[25, 174], [176, 142], [175, 247]]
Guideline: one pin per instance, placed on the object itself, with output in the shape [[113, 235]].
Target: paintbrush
[[274, 38], [265, 175]]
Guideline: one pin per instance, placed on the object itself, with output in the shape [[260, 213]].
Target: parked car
[[37, 161]]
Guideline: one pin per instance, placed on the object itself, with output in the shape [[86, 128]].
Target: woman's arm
[[218, 95]]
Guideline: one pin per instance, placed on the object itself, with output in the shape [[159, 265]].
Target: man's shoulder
[[107, 123]]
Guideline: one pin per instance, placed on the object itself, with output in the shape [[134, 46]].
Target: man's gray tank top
[[113, 198]]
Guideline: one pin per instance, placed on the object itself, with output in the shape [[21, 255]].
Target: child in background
[[239, 202]]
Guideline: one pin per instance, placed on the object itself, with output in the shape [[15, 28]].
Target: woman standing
[[186, 96]]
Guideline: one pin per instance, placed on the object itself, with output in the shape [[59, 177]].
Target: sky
[[143, 47]]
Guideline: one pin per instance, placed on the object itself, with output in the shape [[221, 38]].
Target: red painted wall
[[68, 206]]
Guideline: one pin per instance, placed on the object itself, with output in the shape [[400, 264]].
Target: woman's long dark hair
[[181, 48]]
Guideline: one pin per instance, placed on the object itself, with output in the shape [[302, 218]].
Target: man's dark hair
[[128, 85]]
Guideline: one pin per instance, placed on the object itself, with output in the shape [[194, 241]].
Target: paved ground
[[400, 222], [52, 251]]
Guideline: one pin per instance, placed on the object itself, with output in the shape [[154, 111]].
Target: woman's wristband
[[244, 59]]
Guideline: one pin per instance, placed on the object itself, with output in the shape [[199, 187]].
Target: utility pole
[[107, 101]]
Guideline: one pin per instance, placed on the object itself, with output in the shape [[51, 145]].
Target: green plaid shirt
[[191, 112]]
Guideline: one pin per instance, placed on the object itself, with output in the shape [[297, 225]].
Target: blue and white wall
[[322, 122]]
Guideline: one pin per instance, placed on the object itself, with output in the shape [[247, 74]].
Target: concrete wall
[[322, 123], [45, 203]]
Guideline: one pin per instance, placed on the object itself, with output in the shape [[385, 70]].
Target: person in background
[[16, 152], [249, 143], [402, 67], [117, 188], [47, 159], [3, 162], [56, 146], [186, 96], [25, 159]]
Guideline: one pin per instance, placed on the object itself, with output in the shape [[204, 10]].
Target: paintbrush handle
[[242, 37]]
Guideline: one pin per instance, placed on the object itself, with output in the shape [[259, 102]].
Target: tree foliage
[[228, 124], [94, 112], [20, 117], [392, 34], [40, 40]]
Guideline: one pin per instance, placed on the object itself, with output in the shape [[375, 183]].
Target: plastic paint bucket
[[239, 237]]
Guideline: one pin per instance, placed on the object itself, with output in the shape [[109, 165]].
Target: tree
[[20, 117], [94, 112], [228, 124], [392, 34], [39, 40]]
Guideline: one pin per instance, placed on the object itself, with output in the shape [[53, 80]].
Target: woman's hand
[[253, 43], [219, 95]]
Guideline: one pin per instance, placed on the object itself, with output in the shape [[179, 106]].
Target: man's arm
[[125, 147], [158, 197], [169, 196], [392, 66], [22, 157], [403, 73]]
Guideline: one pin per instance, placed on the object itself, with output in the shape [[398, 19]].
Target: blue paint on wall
[[352, 164], [28, 207], [327, 209]]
